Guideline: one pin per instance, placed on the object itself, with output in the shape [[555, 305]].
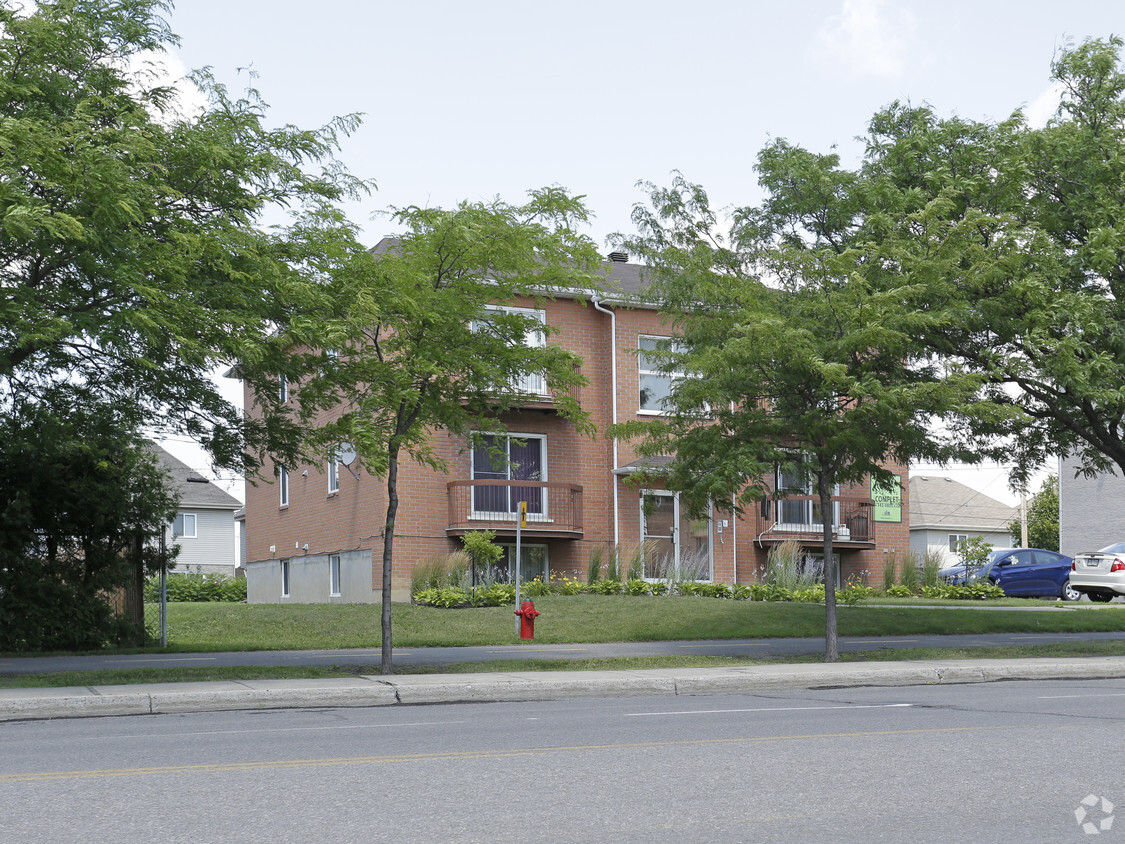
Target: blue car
[[1027, 573]]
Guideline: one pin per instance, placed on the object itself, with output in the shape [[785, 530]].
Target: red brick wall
[[353, 518]]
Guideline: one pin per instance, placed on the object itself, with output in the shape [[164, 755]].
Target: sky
[[474, 100]]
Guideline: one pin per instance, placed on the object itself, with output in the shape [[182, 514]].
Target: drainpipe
[[597, 302]]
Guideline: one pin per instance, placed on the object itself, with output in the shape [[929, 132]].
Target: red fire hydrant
[[527, 613]]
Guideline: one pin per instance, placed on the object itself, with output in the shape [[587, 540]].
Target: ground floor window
[[676, 547], [533, 564], [334, 575], [284, 578]]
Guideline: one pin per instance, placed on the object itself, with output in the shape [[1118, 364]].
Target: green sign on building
[[888, 500]]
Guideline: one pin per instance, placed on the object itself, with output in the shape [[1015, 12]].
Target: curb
[[414, 689]]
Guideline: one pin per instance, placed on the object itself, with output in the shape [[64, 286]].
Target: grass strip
[[235, 673]]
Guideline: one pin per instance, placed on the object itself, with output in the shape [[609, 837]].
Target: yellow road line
[[220, 767]]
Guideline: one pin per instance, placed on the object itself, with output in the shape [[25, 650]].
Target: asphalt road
[[404, 657], [990, 762]]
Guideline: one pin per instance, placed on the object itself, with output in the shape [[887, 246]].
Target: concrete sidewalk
[[375, 690]]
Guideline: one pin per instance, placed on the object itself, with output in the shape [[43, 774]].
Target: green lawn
[[592, 618]]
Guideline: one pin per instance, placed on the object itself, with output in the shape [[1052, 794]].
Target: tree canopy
[[414, 337], [1042, 518], [133, 254], [792, 355]]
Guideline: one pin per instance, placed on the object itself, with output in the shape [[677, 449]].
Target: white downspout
[[613, 381]]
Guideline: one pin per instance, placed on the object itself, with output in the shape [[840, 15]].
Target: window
[[655, 384], [674, 545], [333, 475], [801, 514], [284, 578], [533, 564], [509, 457], [184, 526], [955, 540], [334, 575], [531, 383], [283, 389], [283, 485]]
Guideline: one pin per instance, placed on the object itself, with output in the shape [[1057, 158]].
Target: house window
[[509, 457], [283, 485], [333, 475], [955, 540], [675, 547], [533, 564], [284, 578], [334, 575], [183, 526], [802, 514], [655, 383], [530, 383], [283, 389]]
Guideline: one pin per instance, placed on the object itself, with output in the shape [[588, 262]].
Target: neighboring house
[[313, 535], [944, 512], [204, 527], [1091, 510]]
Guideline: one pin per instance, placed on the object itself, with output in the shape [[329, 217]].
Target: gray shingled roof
[[625, 280], [194, 490], [945, 503]]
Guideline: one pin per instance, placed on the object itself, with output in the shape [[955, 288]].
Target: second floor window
[[333, 475], [283, 389], [530, 383], [283, 486], [655, 382], [184, 526]]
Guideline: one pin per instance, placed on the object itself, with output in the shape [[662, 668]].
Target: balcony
[[533, 391], [797, 517], [554, 509]]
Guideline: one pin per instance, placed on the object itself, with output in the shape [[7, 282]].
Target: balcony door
[[676, 547], [509, 457], [801, 515]]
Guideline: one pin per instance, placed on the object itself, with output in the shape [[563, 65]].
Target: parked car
[[1100, 574], [1027, 573]]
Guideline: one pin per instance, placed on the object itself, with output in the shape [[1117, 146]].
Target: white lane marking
[[160, 659], [770, 709], [1061, 697]]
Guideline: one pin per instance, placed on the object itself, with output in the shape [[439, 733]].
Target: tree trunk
[[831, 646], [388, 548]]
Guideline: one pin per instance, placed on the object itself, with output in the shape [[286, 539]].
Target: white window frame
[[530, 383], [510, 555], [675, 345], [809, 506], [509, 515], [283, 487], [334, 575], [285, 578], [333, 475], [677, 518], [183, 519], [956, 539]]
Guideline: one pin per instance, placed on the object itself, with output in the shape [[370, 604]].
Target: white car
[[1099, 574]]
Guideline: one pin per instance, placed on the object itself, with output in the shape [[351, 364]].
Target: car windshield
[[1116, 548]]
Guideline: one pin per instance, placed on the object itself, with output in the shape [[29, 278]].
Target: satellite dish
[[345, 453]]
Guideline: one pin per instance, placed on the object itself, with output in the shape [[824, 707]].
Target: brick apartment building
[[314, 535]]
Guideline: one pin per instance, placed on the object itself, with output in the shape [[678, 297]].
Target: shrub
[[691, 588], [197, 587], [535, 588], [637, 586], [908, 577], [888, 571], [564, 585], [659, 588], [594, 565], [897, 591], [605, 587], [742, 592], [931, 565], [788, 567], [440, 570]]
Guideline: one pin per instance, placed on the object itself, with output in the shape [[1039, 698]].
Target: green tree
[[81, 502], [816, 372], [405, 341], [1042, 518], [132, 255], [1012, 239]]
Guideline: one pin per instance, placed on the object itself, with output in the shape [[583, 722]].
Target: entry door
[[676, 546]]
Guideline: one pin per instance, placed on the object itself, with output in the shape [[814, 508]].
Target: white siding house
[[204, 527], [943, 512]]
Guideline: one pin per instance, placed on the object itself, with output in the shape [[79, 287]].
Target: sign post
[[521, 523]]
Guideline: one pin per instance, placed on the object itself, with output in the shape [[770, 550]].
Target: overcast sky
[[472, 100]]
